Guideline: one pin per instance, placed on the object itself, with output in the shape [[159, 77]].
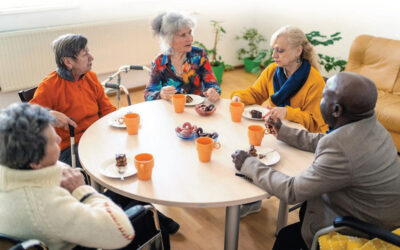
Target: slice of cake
[[120, 160], [253, 151], [256, 114], [189, 99]]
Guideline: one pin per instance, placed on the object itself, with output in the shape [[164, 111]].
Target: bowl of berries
[[205, 110]]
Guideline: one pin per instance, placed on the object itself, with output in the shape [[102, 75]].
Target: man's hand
[[62, 121], [239, 157], [273, 125], [212, 94], [167, 92], [71, 179]]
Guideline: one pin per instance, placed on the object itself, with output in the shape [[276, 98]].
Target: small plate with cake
[[255, 112], [193, 100], [117, 167], [266, 155]]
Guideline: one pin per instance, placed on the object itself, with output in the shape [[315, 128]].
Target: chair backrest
[[378, 59], [27, 94], [14, 243]]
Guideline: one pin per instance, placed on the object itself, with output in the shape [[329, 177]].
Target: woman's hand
[[71, 179], [277, 112], [212, 94], [62, 121], [167, 92], [236, 99]]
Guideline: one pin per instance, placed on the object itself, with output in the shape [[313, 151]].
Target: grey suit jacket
[[355, 172]]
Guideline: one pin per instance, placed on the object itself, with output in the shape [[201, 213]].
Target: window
[[26, 6]]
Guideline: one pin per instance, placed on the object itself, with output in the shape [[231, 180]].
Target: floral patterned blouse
[[197, 75]]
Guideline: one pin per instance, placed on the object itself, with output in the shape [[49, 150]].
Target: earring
[[298, 60]]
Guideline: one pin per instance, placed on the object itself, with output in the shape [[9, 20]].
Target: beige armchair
[[379, 59]]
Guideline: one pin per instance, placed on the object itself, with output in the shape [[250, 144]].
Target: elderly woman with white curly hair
[[180, 67]]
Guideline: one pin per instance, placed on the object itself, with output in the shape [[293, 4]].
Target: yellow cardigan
[[304, 105]]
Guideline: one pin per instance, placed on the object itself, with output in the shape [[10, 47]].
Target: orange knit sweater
[[84, 100]]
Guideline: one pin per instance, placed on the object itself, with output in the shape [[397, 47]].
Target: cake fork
[[265, 154], [121, 172]]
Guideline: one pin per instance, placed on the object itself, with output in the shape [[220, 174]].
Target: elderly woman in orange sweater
[[292, 86], [72, 91]]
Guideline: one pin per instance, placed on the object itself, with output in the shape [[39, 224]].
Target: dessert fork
[[121, 172], [265, 154]]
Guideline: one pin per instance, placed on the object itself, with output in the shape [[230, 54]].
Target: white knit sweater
[[33, 205]]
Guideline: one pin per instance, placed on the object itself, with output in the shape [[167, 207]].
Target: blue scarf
[[286, 88]]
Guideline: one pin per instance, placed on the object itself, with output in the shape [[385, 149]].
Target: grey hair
[[21, 134], [167, 24], [68, 45], [295, 38]]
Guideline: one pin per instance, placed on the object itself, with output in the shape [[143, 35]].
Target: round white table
[[179, 178]]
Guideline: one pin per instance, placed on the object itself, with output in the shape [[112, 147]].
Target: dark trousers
[[145, 228], [289, 237]]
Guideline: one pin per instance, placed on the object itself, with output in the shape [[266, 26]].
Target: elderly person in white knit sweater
[[42, 199]]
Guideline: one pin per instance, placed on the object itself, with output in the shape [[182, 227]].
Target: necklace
[[177, 63], [286, 73]]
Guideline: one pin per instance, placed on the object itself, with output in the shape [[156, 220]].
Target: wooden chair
[[27, 94]]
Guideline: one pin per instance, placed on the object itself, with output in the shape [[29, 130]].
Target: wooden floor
[[203, 228]]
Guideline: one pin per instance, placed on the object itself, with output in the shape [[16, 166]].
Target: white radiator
[[26, 56]]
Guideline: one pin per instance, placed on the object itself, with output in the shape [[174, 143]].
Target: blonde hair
[[295, 38]]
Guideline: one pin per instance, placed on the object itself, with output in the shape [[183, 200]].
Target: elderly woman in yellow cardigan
[[292, 86]]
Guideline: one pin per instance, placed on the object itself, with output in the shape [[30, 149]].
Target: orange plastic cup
[[132, 121], [179, 101], [236, 109], [256, 134], [205, 146], [144, 164]]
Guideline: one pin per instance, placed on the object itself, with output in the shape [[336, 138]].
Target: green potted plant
[[269, 59], [253, 55], [218, 66], [328, 62]]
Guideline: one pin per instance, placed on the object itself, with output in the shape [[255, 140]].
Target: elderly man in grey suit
[[355, 172]]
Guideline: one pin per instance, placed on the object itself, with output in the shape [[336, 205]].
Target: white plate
[[114, 122], [196, 100], [271, 158], [109, 169], [248, 109]]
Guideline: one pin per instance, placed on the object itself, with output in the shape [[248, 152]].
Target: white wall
[[351, 18]]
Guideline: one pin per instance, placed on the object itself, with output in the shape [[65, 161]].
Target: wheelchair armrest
[[367, 228], [135, 213], [29, 244]]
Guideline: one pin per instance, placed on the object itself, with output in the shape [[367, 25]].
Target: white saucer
[[196, 100], [114, 123], [109, 169], [271, 158], [248, 109]]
